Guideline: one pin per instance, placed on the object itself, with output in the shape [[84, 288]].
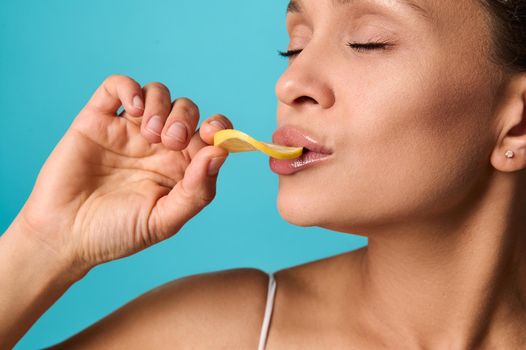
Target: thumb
[[190, 195]]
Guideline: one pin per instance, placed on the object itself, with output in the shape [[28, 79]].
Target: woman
[[421, 105]]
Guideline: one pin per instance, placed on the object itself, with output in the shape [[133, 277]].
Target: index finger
[[116, 91]]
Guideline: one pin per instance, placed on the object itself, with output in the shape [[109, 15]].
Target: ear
[[511, 119]]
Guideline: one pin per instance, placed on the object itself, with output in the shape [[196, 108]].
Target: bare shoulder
[[308, 298], [327, 271], [219, 310]]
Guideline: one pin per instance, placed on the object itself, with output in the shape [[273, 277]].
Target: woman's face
[[410, 125]]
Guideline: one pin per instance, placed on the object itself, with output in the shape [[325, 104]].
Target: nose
[[305, 83]]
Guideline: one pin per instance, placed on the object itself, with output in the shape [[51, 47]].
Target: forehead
[[296, 6], [460, 26], [445, 15]]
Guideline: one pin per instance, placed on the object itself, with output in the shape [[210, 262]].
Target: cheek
[[409, 145], [415, 146]]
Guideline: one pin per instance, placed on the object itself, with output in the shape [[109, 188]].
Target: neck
[[457, 282]]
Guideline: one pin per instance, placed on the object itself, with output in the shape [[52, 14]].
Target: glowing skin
[[419, 133], [416, 112]]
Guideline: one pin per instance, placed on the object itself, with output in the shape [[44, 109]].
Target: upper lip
[[291, 136]]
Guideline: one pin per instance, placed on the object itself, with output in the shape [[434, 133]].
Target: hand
[[115, 185]]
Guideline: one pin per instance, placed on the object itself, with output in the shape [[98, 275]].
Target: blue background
[[221, 54]]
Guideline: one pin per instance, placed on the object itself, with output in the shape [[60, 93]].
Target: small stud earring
[[509, 154]]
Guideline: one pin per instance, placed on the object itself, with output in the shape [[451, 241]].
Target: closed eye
[[289, 53], [369, 46], [355, 46]]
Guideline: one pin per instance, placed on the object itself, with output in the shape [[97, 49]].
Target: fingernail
[[137, 102], [218, 124], [177, 131], [214, 165], [155, 125]]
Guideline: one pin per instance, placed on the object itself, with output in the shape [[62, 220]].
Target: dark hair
[[508, 24]]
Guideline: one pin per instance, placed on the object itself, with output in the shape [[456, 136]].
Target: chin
[[301, 207], [297, 218], [296, 211], [307, 208]]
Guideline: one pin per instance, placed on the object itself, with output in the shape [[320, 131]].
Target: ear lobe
[[513, 128]]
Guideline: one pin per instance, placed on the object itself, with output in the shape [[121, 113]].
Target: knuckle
[[196, 199], [118, 79], [205, 199], [157, 105], [111, 78], [185, 101], [158, 98], [157, 86], [225, 120], [187, 106]]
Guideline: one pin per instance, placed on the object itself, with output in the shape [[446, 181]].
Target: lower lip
[[291, 166]]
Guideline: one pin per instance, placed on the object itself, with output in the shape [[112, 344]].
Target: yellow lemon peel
[[237, 141]]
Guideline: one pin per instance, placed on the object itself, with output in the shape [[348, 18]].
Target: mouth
[[314, 152], [294, 137]]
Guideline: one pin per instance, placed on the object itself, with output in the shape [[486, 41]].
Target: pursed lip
[[291, 136]]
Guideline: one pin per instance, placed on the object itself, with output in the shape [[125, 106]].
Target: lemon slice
[[237, 141]]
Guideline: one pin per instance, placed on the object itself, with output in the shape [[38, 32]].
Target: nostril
[[305, 99]]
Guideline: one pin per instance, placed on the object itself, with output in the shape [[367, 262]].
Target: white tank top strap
[[268, 311]]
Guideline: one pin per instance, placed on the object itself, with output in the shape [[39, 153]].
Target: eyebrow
[[295, 6]]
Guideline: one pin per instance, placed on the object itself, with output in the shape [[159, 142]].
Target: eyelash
[[360, 47]]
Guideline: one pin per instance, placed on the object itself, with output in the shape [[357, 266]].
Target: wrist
[[33, 277], [58, 264]]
